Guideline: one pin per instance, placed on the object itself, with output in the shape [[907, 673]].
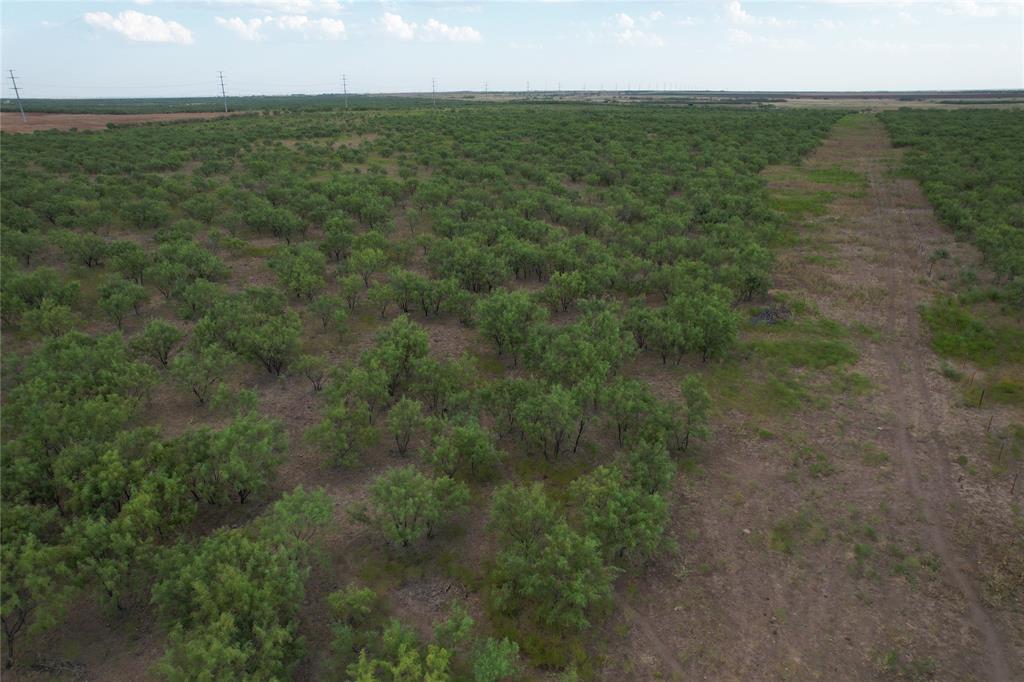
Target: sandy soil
[[12, 123]]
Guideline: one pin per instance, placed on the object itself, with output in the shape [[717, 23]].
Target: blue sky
[[97, 48]]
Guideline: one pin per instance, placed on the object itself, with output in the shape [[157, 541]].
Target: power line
[[115, 87], [17, 94]]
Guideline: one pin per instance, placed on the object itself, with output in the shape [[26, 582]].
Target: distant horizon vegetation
[[115, 105]]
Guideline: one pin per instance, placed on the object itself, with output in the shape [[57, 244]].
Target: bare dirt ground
[[12, 123], [874, 566]]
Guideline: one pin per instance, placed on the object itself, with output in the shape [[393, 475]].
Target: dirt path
[[885, 236], [662, 651], [871, 567], [917, 444]]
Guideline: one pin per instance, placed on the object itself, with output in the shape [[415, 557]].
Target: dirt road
[[869, 566], [917, 442]]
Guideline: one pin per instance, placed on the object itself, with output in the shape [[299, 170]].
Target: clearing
[[10, 122]]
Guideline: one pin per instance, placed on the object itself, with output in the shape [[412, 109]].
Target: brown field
[[11, 122]]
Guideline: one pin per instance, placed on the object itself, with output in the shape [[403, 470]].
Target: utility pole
[[17, 94], [344, 88], [433, 92], [485, 87], [223, 93]]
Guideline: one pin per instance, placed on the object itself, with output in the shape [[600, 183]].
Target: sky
[[146, 48]]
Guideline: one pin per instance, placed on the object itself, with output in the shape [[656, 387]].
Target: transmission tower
[[344, 88], [223, 93], [17, 94], [433, 92]]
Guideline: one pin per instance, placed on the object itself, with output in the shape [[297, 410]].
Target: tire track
[[662, 650], [911, 401]]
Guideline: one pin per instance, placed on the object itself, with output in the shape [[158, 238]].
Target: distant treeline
[[161, 105]]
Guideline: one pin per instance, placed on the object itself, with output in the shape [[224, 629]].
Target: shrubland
[[220, 259]]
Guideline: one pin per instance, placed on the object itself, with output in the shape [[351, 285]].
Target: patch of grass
[[489, 364], [818, 259], [951, 372], [959, 334], [862, 566], [801, 204], [1004, 392], [904, 666], [801, 528], [912, 566], [812, 353], [781, 394], [866, 331], [691, 467], [798, 306], [234, 245], [1005, 447], [383, 574], [741, 387], [852, 383], [558, 474], [817, 463], [363, 320], [543, 649], [874, 456], [1003, 584], [834, 175]]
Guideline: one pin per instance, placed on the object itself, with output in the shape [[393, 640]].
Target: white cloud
[[139, 27], [829, 24], [432, 30], [285, 7], [247, 30], [332, 29], [626, 31], [324, 28], [632, 36], [740, 37], [737, 14], [397, 26], [687, 21], [972, 8], [435, 30]]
